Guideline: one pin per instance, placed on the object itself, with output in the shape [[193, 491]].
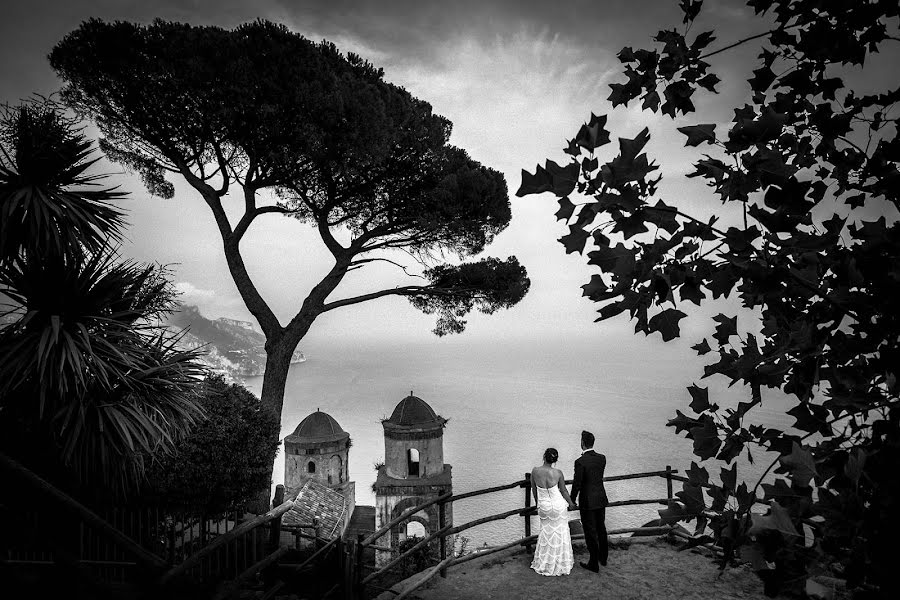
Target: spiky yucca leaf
[[110, 435], [80, 316], [85, 378], [84, 358], [49, 203]]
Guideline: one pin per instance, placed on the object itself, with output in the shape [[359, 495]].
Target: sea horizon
[[505, 404]]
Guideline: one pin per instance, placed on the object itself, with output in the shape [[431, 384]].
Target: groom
[[589, 483]]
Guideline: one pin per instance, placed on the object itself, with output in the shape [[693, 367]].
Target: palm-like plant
[[48, 201], [83, 369]]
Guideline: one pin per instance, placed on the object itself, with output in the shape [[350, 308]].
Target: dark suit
[[589, 484]]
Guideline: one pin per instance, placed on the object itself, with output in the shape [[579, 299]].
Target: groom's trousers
[[593, 521]]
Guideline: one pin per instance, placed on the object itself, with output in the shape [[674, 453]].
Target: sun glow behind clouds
[[510, 93], [514, 98]]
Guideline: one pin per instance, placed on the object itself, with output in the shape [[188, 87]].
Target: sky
[[516, 78]]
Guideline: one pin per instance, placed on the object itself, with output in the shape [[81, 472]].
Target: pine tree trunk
[[278, 363]]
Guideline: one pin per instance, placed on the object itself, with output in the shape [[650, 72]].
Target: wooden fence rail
[[142, 556], [118, 544], [236, 533], [357, 581]]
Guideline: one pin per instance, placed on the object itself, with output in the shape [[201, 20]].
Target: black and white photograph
[[449, 300]]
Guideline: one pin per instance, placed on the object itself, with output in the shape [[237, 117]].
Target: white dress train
[[553, 554]]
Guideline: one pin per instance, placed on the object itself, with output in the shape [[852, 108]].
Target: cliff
[[233, 348]]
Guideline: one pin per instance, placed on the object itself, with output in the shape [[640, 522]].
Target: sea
[[506, 402]]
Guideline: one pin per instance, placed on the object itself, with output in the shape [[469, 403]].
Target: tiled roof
[[317, 501]]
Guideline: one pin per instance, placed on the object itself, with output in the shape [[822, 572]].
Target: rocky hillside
[[234, 348]]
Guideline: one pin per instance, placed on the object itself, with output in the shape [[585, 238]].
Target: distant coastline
[[233, 348]]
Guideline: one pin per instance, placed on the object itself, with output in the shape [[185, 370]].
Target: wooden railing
[[358, 580], [246, 550], [245, 565]]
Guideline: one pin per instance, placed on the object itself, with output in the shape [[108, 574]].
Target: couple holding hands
[[553, 554]]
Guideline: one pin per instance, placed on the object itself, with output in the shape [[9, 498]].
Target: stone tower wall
[[430, 445], [393, 500], [330, 459], [431, 456]]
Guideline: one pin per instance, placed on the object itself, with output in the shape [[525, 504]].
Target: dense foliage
[[260, 109], [89, 389], [224, 460], [812, 167], [425, 557]]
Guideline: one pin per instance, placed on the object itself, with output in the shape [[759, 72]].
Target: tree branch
[[223, 167], [737, 43], [231, 243], [408, 290], [212, 199], [274, 208], [331, 243], [745, 40], [686, 216], [250, 213], [809, 435], [362, 261]]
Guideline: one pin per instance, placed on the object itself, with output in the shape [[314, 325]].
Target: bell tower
[[319, 450], [413, 472]]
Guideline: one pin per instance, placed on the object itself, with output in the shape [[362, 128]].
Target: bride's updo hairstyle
[[551, 455]]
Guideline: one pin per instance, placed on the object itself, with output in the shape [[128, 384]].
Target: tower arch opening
[[412, 462], [335, 469], [311, 467], [415, 529]]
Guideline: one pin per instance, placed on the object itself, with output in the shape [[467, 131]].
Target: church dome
[[412, 411], [318, 427]]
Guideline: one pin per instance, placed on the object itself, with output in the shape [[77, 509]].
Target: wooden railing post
[[316, 543], [442, 522], [270, 575], [527, 506], [340, 559], [239, 534], [669, 495], [275, 527], [204, 528], [669, 482], [170, 542], [358, 568], [349, 563]]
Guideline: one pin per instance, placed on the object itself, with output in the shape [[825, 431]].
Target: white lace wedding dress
[[553, 555]]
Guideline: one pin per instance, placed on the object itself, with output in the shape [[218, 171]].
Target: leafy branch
[[821, 275]]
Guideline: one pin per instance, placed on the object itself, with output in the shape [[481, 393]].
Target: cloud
[[509, 93], [211, 303], [190, 293]]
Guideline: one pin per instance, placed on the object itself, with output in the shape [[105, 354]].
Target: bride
[[553, 555]]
